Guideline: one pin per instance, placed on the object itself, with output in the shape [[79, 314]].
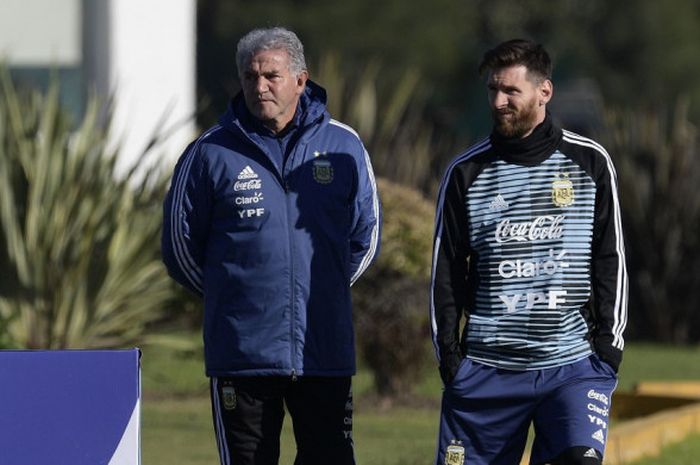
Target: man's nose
[[499, 100], [261, 84]]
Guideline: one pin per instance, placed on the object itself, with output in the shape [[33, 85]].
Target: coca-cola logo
[[541, 228], [247, 185], [599, 396]]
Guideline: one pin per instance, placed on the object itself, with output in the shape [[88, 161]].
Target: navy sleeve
[[365, 235], [186, 221]]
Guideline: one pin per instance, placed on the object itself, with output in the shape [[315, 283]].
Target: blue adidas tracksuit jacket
[[273, 250]]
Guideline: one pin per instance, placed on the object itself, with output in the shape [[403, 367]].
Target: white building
[[140, 52]]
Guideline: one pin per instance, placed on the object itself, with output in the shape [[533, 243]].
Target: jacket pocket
[[462, 371], [602, 367]]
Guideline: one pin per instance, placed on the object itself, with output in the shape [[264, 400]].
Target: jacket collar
[[531, 150], [311, 112]]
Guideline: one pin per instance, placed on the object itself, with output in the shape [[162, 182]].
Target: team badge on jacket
[[323, 171], [229, 395], [454, 455], [562, 191]]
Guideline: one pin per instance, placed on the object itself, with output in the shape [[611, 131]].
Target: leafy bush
[[79, 255], [391, 299]]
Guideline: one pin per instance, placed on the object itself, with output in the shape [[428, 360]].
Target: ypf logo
[[251, 212], [552, 299]]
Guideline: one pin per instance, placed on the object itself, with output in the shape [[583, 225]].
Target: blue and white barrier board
[[70, 407]]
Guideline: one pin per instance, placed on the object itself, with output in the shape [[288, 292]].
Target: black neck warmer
[[531, 150]]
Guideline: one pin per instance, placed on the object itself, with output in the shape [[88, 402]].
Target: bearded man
[[529, 254]]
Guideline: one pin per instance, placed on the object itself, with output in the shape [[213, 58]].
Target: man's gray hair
[[275, 38]]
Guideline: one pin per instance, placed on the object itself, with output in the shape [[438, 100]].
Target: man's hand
[[449, 366]]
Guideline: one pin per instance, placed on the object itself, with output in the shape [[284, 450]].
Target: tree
[[359, 32]]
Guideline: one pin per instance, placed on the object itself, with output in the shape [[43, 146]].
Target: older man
[[273, 213]]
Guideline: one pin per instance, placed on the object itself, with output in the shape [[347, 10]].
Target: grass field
[[176, 426], [180, 431], [682, 453]]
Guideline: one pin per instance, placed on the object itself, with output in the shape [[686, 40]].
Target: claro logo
[[529, 269], [541, 228]]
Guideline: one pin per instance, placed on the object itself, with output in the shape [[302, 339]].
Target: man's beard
[[521, 122]]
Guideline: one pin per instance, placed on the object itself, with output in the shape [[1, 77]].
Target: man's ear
[[546, 90], [301, 80]]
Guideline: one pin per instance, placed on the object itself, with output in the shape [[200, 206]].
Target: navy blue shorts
[[487, 412]]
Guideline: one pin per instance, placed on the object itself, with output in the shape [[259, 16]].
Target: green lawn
[[658, 362], [177, 432], [686, 452], [176, 424], [180, 431], [168, 373]]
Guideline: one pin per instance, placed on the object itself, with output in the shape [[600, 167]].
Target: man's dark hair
[[518, 52]]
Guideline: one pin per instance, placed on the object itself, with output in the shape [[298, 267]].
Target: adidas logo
[[498, 203], [247, 173], [599, 436], [591, 453]]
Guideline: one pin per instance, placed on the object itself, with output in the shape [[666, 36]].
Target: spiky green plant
[[79, 260]]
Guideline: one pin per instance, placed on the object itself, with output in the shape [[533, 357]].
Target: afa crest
[[323, 171], [454, 455], [562, 191], [229, 397]]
